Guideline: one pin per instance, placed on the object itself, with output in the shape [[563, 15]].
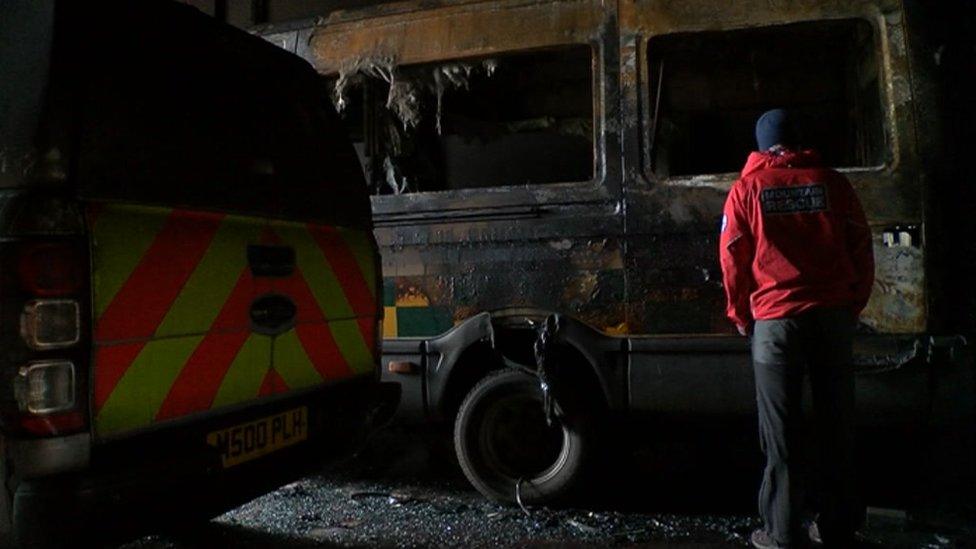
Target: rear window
[[513, 119], [707, 89], [217, 120]]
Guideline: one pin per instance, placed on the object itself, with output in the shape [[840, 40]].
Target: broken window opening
[[517, 119], [708, 89]]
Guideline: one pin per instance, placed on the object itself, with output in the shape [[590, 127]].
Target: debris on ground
[[364, 504]]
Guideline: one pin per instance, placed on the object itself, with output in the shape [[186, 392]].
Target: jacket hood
[[784, 159]]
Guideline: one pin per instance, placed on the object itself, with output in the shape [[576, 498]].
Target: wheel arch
[[464, 355]]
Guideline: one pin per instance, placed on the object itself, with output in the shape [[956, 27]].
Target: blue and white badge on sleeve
[[725, 222]]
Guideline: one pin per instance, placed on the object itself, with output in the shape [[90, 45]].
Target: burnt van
[[547, 182], [190, 293]]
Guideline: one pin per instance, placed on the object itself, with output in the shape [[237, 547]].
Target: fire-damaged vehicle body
[[548, 179]]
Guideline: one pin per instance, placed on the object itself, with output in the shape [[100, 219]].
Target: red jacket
[[794, 237]]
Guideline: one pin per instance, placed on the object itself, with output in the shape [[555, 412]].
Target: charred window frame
[[513, 119], [706, 89]]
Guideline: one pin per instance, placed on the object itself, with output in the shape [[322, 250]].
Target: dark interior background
[[714, 85], [521, 118]]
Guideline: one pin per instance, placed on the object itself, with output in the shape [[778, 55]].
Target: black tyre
[[501, 437]]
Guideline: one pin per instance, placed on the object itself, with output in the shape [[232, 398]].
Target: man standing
[[798, 267]]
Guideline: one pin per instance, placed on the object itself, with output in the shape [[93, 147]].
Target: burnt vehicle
[[548, 179], [189, 284]]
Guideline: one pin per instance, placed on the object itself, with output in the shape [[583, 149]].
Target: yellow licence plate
[[248, 441]]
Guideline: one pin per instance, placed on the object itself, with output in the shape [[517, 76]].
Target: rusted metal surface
[[628, 252], [419, 33], [891, 193], [668, 16]]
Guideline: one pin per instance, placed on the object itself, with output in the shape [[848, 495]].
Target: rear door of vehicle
[[198, 311], [172, 294], [232, 257], [333, 285]]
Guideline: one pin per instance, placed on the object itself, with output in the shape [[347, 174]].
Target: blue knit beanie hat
[[775, 127]]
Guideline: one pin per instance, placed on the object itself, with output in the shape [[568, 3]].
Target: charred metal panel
[[898, 300], [443, 354], [660, 16], [691, 376], [567, 260], [713, 376], [414, 33], [449, 255], [610, 354], [629, 252], [673, 274]]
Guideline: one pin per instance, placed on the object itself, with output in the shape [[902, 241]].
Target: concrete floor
[[404, 490]]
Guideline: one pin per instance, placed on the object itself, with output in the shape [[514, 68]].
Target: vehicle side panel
[[673, 223], [635, 255]]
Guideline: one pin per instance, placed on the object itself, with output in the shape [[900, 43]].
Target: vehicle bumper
[[158, 481]]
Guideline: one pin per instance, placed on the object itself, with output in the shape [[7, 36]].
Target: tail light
[[51, 323], [50, 269], [44, 314], [45, 387]]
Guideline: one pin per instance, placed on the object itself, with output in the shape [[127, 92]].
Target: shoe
[[761, 540], [813, 532], [857, 540]]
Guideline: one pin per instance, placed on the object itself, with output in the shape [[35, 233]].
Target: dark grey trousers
[[816, 343]]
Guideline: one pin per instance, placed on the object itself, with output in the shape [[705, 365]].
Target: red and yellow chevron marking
[[172, 295]]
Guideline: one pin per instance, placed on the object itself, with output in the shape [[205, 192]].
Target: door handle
[[272, 261], [273, 314]]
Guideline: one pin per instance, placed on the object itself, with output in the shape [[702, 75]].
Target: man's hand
[[745, 330]]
